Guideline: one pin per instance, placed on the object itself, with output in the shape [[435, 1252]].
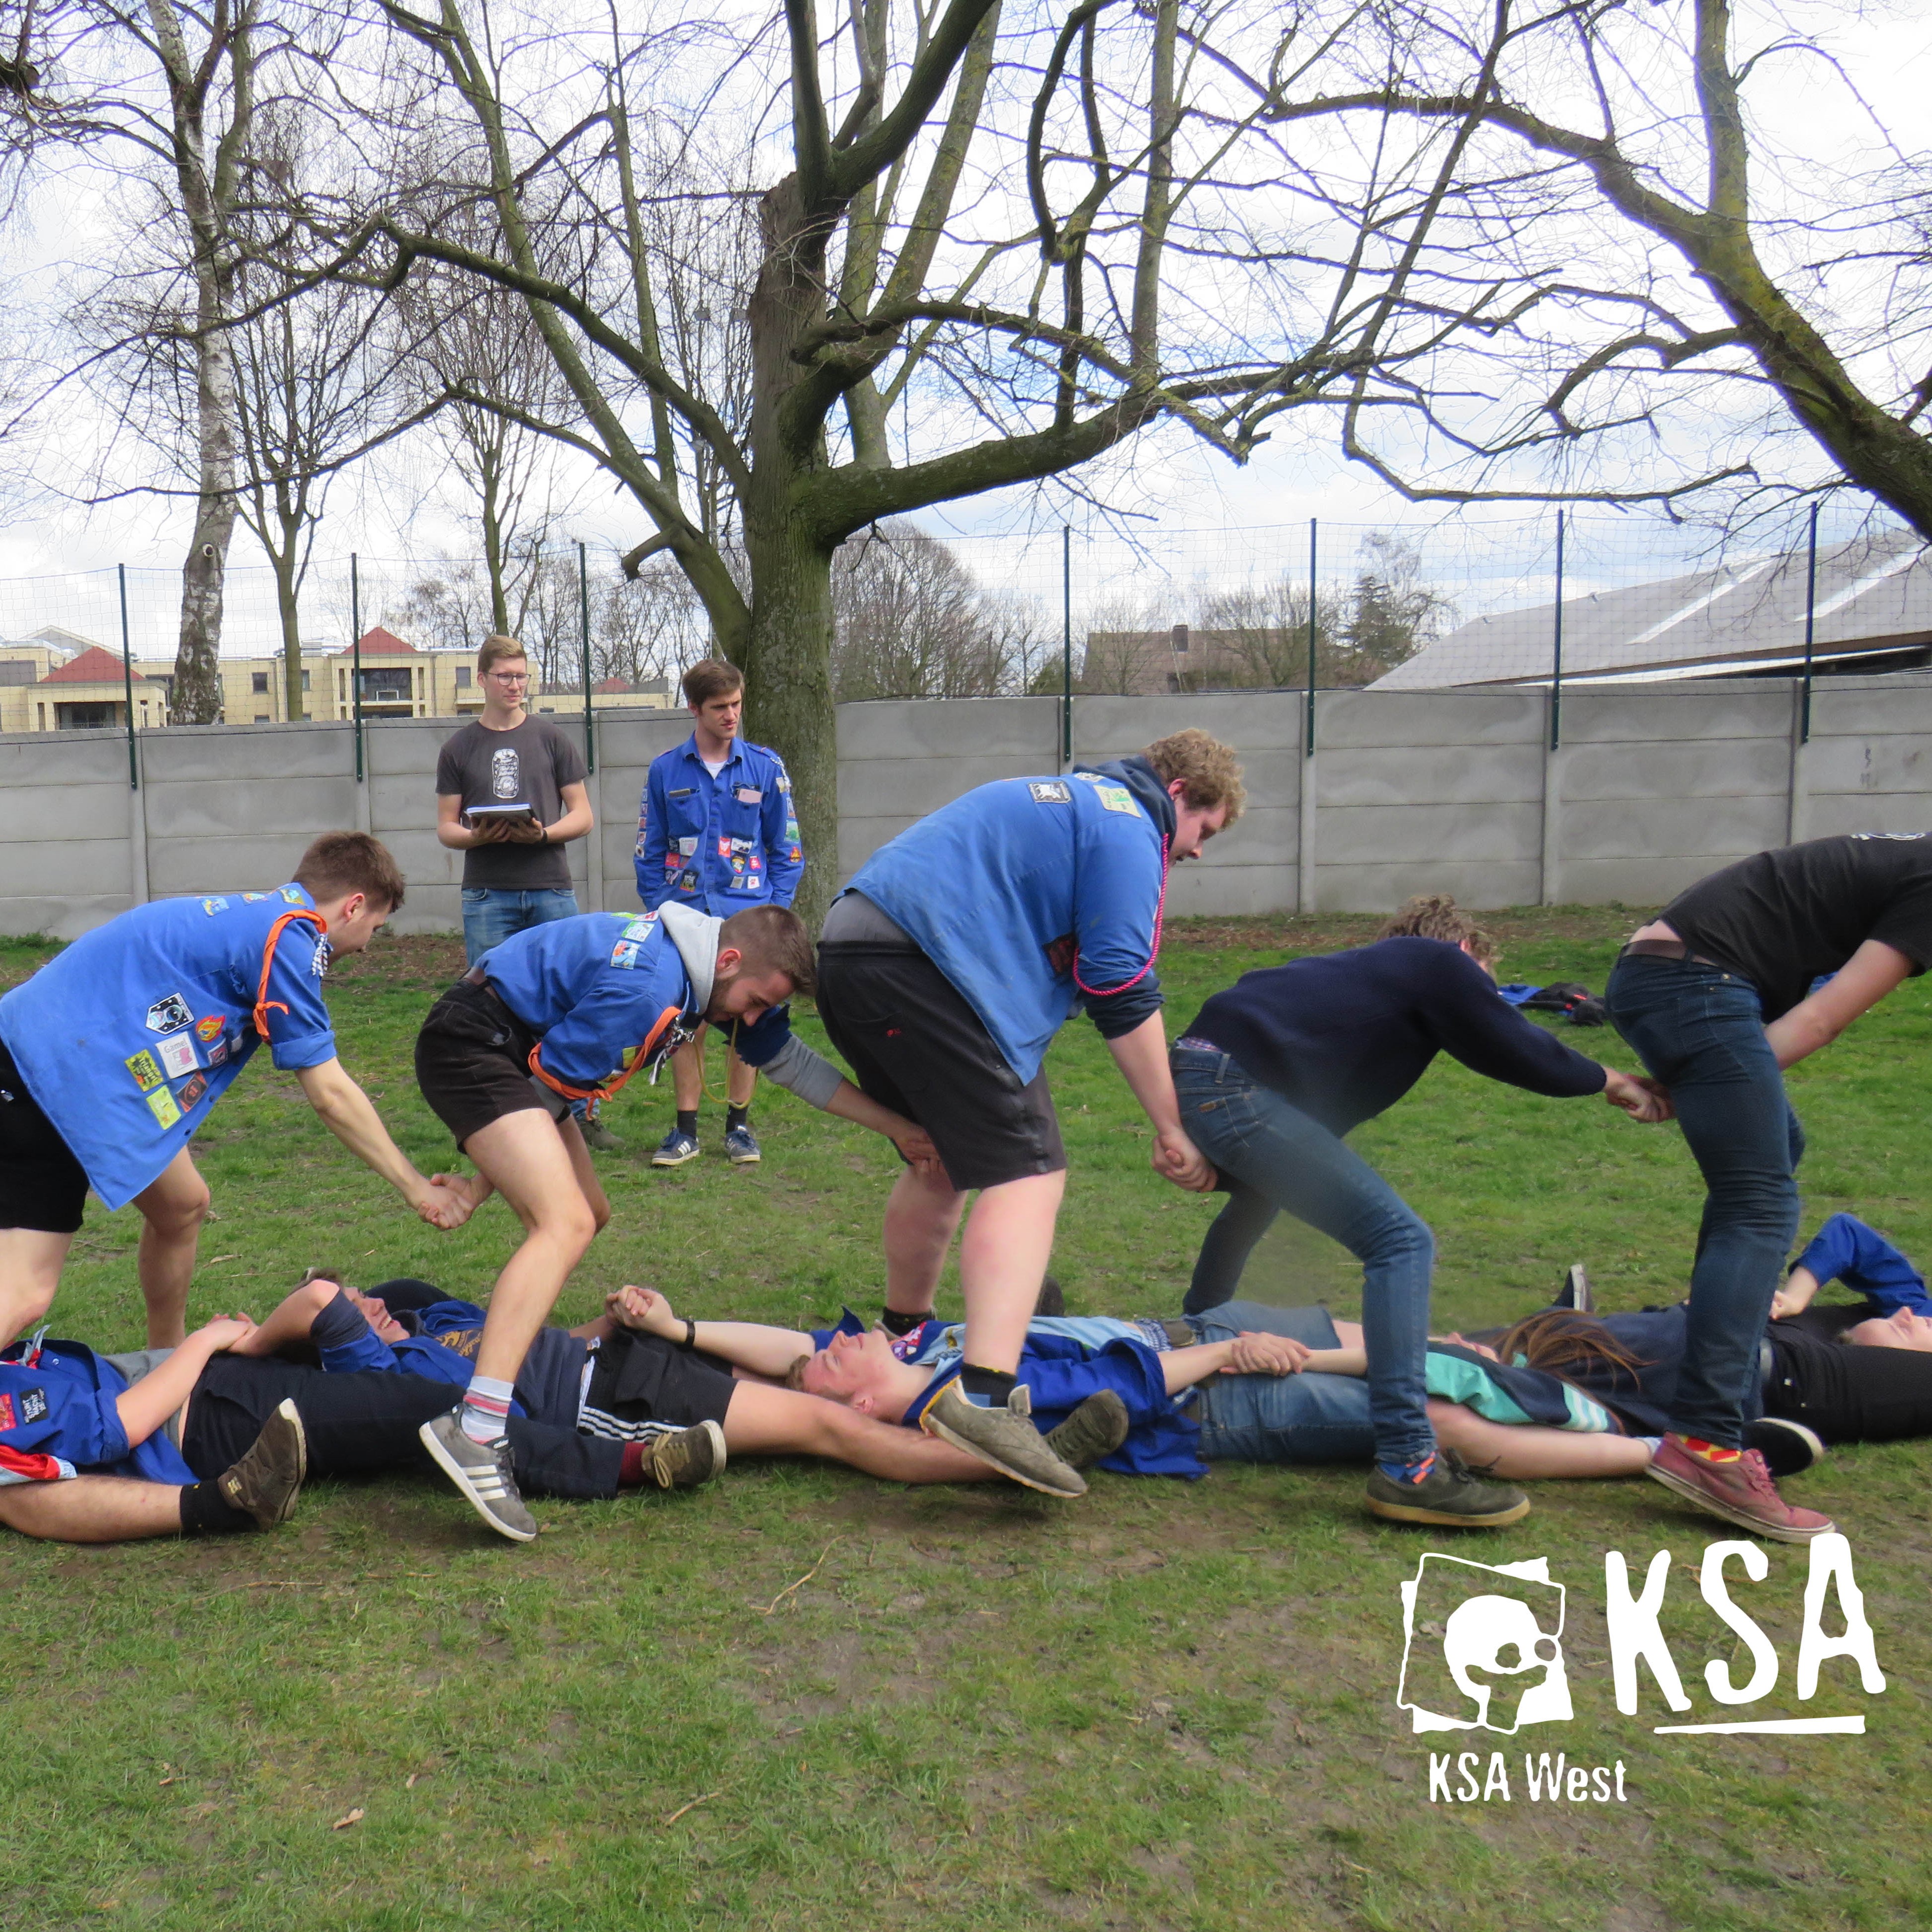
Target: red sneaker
[[1740, 1490]]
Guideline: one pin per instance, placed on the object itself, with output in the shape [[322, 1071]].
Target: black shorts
[[642, 1386], [915, 1045], [43, 1185], [473, 1062]]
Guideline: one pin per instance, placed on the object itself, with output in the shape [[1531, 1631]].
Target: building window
[[304, 680], [260, 683], [85, 717], [261, 718], [462, 678]]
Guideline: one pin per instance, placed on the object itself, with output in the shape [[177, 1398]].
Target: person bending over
[[114, 1053], [1718, 995], [945, 969], [1272, 1074], [549, 1018]]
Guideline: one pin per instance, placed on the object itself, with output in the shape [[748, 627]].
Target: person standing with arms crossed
[[1718, 995], [716, 831]]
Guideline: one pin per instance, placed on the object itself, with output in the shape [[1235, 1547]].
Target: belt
[[1668, 949]]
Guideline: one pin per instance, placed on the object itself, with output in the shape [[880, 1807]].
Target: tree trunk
[[295, 704]]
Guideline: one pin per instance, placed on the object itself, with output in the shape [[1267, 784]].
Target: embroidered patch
[[33, 1404], [161, 1105], [784, 779], [743, 845], [687, 845], [671, 875], [725, 845], [687, 882], [7, 1418], [217, 1052], [177, 1056], [169, 1015], [207, 1028], [643, 928], [791, 831], [1050, 791], [142, 1067], [737, 862], [1118, 798], [749, 882], [796, 854], [211, 907], [624, 954], [190, 1094], [291, 895], [463, 1341], [249, 898], [749, 795]]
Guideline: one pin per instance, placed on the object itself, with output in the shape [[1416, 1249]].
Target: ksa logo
[[1483, 1646]]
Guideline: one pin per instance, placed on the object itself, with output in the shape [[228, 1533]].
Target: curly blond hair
[[1210, 769], [1435, 915]]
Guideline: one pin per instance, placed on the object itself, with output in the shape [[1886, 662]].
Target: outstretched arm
[[1531, 1451], [344, 1109], [764, 1421], [754, 1345], [1859, 984]]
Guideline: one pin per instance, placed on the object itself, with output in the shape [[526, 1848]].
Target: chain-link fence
[[1553, 599]]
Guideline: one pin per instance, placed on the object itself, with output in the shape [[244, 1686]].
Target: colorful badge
[[687, 845], [624, 954], [142, 1067], [205, 1029], [671, 875], [784, 779], [687, 882], [1118, 798], [791, 831], [33, 1404], [641, 929], [1050, 791], [190, 1094], [177, 1056], [169, 1015], [7, 1418], [796, 855], [217, 1052], [292, 894], [748, 795], [211, 907], [249, 898], [725, 845], [161, 1105]]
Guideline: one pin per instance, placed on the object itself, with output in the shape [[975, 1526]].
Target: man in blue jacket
[[114, 1053], [945, 970], [717, 830], [569, 1011]]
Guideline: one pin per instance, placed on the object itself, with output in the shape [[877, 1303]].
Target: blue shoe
[[741, 1149], [675, 1148]]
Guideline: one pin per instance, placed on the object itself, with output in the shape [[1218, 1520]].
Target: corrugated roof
[[1873, 592]]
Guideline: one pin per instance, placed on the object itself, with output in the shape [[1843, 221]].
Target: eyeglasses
[[511, 676]]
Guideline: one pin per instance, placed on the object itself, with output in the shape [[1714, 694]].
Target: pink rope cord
[[1160, 907]]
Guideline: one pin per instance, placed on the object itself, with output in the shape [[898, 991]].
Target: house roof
[[376, 638], [1872, 593], [93, 666]]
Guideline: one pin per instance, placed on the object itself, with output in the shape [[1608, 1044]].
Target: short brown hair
[[711, 678], [773, 939], [340, 863], [795, 1375], [1209, 769], [496, 648], [1435, 915]]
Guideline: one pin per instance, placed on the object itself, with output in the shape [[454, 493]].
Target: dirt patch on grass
[[1330, 932]]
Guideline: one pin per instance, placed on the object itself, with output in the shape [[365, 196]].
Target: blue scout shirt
[[58, 1418], [719, 844], [1033, 894], [128, 1038], [443, 1349]]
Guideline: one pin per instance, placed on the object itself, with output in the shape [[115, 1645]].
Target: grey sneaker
[[1452, 1495], [675, 1148], [268, 1478], [481, 1470], [687, 1457], [597, 1137], [1096, 1428], [1005, 1437], [741, 1148]]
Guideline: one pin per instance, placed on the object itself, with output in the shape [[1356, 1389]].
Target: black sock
[[687, 1121], [994, 1383], [204, 1511], [736, 1117], [894, 1322]]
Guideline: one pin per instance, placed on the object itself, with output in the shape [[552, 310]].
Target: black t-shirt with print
[[1782, 918], [530, 765]]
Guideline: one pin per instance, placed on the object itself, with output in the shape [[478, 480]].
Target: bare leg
[[765, 1421], [1533, 1452], [592, 1187], [687, 1073], [92, 1509], [740, 1081], [172, 1209], [31, 1260], [534, 1164], [1002, 1259], [920, 1216]]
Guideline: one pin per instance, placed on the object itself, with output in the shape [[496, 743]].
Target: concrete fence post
[[1553, 759], [1306, 817]]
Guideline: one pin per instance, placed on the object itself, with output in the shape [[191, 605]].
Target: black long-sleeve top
[[1342, 1036]]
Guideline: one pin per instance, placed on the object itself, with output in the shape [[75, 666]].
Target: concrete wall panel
[[1869, 763], [1659, 715], [1381, 888], [1028, 729], [1432, 775], [1715, 830], [63, 915], [71, 758], [207, 809], [1353, 720], [229, 754], [1451, 834], [1250, 721], [1834, 813], [90, 868], [1726, 768], [60, 809]]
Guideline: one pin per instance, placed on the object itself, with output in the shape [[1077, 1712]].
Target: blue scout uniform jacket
[[58, 1418], [128, 1038], [443, 1349], [719, 844], [1032, 895]]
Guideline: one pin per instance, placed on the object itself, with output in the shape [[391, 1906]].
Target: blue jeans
[[1273, 1157], [1309, 1418], [491, 913], [1700, 1031]]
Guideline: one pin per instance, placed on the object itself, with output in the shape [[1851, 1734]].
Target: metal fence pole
[[1556, 648], [583, 613], [1810, 611], [1309, 733], [355, 674], [127, 682], [1066, 645]]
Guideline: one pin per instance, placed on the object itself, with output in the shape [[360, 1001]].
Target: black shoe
[[1096, 1428], [268, 1478], [1052, 1299], [1575, 1292], [1788, 1448], [1452, 1496]]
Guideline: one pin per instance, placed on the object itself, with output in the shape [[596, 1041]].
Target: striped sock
[[1708, 1452], [1409, 1472], [486, 1408]]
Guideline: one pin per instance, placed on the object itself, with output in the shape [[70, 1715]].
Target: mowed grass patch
[[1167, 1706]]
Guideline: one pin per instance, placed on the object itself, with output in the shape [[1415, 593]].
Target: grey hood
[[695, 935]]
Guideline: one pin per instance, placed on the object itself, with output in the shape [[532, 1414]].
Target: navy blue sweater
[[1344, 1036]]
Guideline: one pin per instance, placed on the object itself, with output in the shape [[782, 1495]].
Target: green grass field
[[800, 1698]]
